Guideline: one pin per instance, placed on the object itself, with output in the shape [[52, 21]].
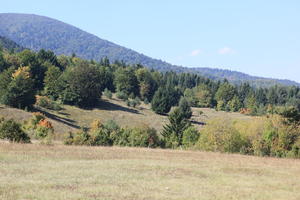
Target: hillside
[[9, 44], [32, 171], [37, 32], [72, 118]]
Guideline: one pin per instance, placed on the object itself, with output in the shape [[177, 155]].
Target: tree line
[[71, 80]]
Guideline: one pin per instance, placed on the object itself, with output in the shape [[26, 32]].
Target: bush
[[97, 135], [221, 135], [107, 93], [111, 125], [120, 137], [101, 137], [44, 134], [190, 136], [47, 103], [81, 137], [111, 134], [39, 128], [143, 137], [69, 138], [134, 102], [146, 101], [12, 131], [278, 138], [122, 95], [36, 118], [295, 152]]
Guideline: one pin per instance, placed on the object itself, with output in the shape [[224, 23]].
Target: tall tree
[[83, 85], [163, 99], [185, 108], [126, 81], [19, 92], [173, 131], [53, 86]]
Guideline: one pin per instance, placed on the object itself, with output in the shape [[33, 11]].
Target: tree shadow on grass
[[106, 105], [63, 120], [198, 123]]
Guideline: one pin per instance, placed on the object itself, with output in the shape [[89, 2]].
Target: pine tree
[[164, 98], [173, 131], [185, 108]]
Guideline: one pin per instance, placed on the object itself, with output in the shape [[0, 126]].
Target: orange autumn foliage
[[45, 123]]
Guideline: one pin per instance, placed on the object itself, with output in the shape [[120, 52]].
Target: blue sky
[[256, 37]]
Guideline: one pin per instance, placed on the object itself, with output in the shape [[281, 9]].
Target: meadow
[[41, 172], [71, 118]]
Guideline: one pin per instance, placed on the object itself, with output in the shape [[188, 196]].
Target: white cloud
[[195, 52], [226, 50]]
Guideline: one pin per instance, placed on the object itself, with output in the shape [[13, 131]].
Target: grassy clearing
[[58, 172], [71, 118]]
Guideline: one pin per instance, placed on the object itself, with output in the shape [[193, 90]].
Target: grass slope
[[32, 171], [72, 118]]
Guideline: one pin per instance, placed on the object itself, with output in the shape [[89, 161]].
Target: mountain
[[9, 44], [39, 32]]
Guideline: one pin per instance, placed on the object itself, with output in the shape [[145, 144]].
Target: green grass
[[40, 172]]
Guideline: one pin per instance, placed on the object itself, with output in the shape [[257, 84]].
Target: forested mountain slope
[[38, 32], [9, 44]]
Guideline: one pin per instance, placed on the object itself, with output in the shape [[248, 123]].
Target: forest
[[29, 78]]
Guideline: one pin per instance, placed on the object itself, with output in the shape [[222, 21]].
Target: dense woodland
[[71, 80], [47, 80]]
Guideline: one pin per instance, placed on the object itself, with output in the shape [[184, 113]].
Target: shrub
[[133, 102], [81, 137], [36, 118], [136, 102], [143, 137], [97, 135], [190, 136], [107, 93], [120, 137], [122, 95], [278, 138], [47, 103], [69, 138], [295, 152], [39, 128], [111, 125], [146, 101], [101, 137], [11, 130], [221, 135]]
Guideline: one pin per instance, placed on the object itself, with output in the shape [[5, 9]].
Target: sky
[[257, 37]]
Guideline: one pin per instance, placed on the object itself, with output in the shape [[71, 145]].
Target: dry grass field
[[40, 172], [72, 118]]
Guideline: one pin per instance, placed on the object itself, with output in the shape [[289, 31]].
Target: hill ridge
[[40, 32]]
